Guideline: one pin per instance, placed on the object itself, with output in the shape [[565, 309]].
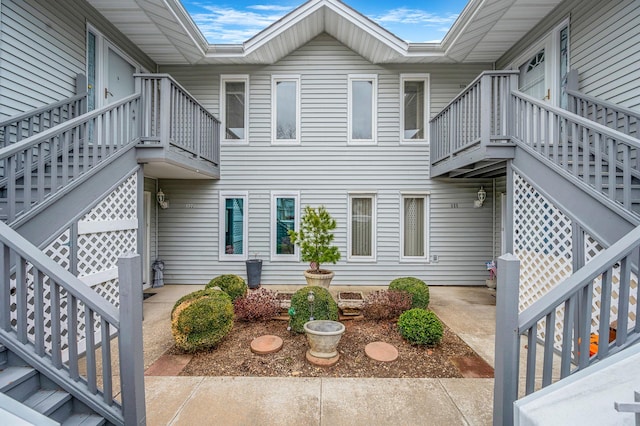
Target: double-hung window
[[284, 218], [362, 108], [362, 227], [414, 224], [414, 106], [233, 225], [234, 107], [285, 109]]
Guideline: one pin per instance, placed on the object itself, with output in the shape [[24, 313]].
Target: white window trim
[[424, 77], [374, 218], [374, 110], [426, 197], [245, 226], [229, 78], [295, 257], [274, 80]]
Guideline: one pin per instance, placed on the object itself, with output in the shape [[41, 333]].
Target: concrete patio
[[176, 400]]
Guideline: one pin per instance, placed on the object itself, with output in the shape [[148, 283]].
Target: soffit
[[485, 30]]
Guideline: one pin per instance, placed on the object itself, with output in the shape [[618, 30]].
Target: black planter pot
[[254, 271]]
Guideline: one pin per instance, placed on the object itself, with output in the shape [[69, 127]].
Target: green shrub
[[231, 284], [201, 319], [417, 288], [324, 307], [386, 304], [420, 327]]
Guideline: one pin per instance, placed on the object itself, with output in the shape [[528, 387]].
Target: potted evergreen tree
[[315, 241]]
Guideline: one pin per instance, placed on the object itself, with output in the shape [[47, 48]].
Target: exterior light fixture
[[482, 195], [164, 203]]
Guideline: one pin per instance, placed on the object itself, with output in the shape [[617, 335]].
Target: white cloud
[[229, 25], [270, 7], [403, 15]]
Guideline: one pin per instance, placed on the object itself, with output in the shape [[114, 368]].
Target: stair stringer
[[605, 220]]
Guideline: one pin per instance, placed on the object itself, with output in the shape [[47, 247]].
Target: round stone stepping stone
[[266, 344], [381, 351]]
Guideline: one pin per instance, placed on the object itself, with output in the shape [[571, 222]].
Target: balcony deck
[[469, 137]]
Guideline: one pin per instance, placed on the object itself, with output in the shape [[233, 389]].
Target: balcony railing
[[477, 117], [174, 119]]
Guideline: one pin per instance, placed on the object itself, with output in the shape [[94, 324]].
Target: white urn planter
[[322, 279], [323, 337]]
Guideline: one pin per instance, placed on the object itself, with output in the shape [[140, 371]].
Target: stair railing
[[599, 156], [40, 119], [570, 304], [171, 117], [44, 164], [61, 360]]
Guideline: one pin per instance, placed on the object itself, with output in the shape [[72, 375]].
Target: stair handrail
[[34, 265], [574, 295], [554, 127], [74, 106], [94, 137], [591, 102]]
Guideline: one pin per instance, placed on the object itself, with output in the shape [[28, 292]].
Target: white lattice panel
[[543, 244], [97, 252]]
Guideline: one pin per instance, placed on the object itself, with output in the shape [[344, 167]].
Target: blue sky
[[236, 21]]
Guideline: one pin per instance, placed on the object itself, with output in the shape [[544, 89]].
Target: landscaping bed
[[233, 356]]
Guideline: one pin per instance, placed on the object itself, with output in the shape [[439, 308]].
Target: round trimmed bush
[[420, 327], [231, 284], [418, 289], [324, 307], [201, 319]]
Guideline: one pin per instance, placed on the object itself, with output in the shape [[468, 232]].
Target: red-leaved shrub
[[386, 304], [261, 304]]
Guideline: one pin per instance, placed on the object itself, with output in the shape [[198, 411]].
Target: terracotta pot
[[322, 280], [323, 337]]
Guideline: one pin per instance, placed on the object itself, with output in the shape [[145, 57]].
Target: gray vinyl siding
[[43, 49], [603, 47], [324, 169]]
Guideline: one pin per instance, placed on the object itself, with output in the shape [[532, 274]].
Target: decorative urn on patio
[[323, 337], [314, 238]]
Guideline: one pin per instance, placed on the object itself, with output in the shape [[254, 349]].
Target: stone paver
[[266, 344], [168, 365], [381, 351]]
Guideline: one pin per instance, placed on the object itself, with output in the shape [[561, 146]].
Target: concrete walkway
[[173, 400]]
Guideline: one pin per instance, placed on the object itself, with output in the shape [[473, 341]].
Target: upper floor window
[[234, 107], [286, 109], [414, 106], [284, 218], [362, 108], [362, 227], [414, 223], [233, 226]]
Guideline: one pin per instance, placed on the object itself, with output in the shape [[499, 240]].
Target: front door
[[119, 76], [544, 67]]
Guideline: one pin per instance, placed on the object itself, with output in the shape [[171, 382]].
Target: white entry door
[[119, 76], [544, 66]]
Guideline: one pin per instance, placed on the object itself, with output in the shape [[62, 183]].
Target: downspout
[[494, 221]]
